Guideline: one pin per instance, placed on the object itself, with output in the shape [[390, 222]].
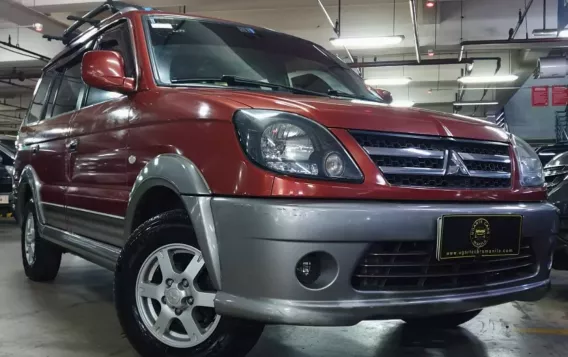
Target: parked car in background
[[233, 176], [7, 153], [556, 175], [547, 152]]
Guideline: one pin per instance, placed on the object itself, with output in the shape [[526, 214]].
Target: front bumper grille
[[428, 161], [407, 266]]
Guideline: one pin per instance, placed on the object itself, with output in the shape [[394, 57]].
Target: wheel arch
[[179, 175], [28, 187]]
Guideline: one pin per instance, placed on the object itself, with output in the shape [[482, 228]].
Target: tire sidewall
[[142, 243]]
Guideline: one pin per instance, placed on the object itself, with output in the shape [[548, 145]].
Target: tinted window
[[69, 90], [36, 108], [51, 98], [116, 39], [9, 144], [6, 160]]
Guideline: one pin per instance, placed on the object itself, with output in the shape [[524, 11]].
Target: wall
[[533, 123]]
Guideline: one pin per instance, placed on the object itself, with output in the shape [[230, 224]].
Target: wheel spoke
[[165, 262], [190, 325], [164, 321], [150, 290], [204, 299], [194, 267]]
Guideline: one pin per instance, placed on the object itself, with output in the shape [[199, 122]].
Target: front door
[[98, 193]]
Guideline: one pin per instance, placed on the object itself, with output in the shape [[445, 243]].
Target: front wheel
[[164, 298], [443, 321]]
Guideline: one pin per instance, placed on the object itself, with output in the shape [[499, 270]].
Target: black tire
[[443, 321], [47, 260], [232, 337]]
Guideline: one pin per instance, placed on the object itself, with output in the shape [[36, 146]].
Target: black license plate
[[467, 236]]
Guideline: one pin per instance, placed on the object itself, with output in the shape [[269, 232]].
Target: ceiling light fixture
[[545, 33], [465, 104], [488, 79], [400, 81], [366, 42], [402, 104], [430, 4]]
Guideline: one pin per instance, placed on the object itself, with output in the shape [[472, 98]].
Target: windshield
[[185, 50]]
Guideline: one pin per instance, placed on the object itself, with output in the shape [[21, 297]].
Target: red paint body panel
[[197, 123], [97, 169]]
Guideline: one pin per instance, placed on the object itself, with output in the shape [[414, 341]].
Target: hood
[[365, 115]]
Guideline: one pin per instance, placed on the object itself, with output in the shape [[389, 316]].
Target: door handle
[[72, 145], [35, 149]]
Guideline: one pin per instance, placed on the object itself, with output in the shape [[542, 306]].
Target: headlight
[[293, 145], [530, 167]]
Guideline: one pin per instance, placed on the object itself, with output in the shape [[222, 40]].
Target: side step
[[96, 252]]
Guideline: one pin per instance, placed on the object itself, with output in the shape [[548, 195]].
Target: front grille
[[554, 176], [5, 188], [407, 266], [428, 161]]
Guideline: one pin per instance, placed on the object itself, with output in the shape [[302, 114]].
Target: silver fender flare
[[29, 177], [183, 177]]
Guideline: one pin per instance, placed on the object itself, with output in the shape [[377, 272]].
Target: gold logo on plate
[[480, 233]]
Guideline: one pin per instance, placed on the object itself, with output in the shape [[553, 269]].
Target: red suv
[[233, 176]]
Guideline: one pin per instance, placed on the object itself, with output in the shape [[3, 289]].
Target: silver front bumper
[[261, 240]]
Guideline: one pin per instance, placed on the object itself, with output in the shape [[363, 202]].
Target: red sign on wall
[[540, 96], [559, 95]]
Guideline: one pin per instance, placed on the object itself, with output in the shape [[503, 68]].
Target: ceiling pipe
[[532, 43], [432, 62], [522, 16], [412, 4], [20, 49]]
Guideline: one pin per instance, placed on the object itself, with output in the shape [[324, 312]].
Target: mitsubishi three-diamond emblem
[[455, 165]]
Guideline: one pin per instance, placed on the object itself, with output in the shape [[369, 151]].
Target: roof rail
[[109, 6]]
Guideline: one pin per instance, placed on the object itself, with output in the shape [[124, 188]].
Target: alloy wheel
[[30, 239], [174, 296]]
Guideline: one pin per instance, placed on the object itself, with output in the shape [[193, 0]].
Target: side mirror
[[385, 95], [105, 70]]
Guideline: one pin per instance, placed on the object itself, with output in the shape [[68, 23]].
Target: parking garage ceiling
[[441, 29]]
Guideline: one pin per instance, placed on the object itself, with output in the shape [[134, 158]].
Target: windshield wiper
[[234, 81], [338, 93]]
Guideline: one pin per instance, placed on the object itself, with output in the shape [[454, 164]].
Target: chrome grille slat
[[426, 161], [481, 157], [406, 152]]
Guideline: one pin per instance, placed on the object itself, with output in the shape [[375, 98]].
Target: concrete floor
[[74, 316]]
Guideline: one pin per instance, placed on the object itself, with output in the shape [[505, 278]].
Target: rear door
[[98, 193], [43, 136]]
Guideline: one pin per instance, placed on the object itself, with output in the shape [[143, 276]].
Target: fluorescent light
[[488, 79], [563, 33], [366, 42], [545, 33], [464, 104], [397, 81], [402, 104]]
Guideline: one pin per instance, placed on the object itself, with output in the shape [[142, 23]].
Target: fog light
[[333, 165], [308, 269]]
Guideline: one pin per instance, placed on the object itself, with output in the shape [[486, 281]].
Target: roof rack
[[109, 6]]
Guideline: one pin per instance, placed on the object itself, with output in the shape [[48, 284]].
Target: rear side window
[[36, 109], [69, 90], [51, 98]]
